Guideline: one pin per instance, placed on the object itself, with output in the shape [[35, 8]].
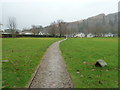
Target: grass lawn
[[24, 55], [80, 54]]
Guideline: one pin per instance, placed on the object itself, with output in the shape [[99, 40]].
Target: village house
[[26, 32], [115, 35], [40, 33], [109, 35], [80, 35], [70, 35], [90, 35]]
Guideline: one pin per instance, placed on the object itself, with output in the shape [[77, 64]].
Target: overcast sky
[[43, 12]]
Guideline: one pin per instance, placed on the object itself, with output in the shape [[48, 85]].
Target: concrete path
[[52, 71]]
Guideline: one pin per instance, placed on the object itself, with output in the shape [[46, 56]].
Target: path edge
[[34, 74], [66, 66]]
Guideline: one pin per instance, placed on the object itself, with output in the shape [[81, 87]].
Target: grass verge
[[23, 55], [80, 55]]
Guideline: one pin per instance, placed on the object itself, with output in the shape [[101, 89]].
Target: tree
[[53, 29], [62, 28], [111, 23], [12, 26], [59, 24], [33, 29], [103, 26], [83, 27], [36, 29], [39, 29], [70, 32]]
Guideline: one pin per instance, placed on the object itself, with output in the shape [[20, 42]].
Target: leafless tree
[[33, 29], [53, 29], [66, 31], [62, 27], [12, 26], [69, 32], [59, 25], [36, 29]]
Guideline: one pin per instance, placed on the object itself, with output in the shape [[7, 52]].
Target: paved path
[[52, 71]]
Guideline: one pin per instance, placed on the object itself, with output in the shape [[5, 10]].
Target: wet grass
[[80, 55], [23, 55]]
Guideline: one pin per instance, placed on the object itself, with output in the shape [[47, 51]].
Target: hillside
[[98, 24]]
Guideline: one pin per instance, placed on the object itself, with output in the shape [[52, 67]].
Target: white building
[[109, 35], [26, 33], [80, 35], [90, 35], [40, 33]]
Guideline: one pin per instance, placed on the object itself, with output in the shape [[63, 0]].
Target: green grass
[[80, 55], [24, 55]]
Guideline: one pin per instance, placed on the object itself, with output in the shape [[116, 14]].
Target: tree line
[[61, 28]]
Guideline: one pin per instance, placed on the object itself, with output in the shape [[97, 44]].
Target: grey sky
[[43, 12]]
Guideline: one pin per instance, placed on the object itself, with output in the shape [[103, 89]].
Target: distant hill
[[98, 24]]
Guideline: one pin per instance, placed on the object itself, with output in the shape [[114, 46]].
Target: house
[[80, 35], [40, 33], [109, 35], [90, 35], [26, 32], [102, 35], [115, 35], [70, 35], [8, 31]]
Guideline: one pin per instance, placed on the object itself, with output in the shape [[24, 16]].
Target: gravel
[[52, 72]]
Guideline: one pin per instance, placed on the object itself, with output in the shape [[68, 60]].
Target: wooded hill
[[100, 24]]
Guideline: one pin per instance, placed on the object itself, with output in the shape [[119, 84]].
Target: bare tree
[[33, 29], [36, 29], [12, 26], [53, 29], [80, 27], [62, 28], [59, 25], [69, 32], [66, 31]]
